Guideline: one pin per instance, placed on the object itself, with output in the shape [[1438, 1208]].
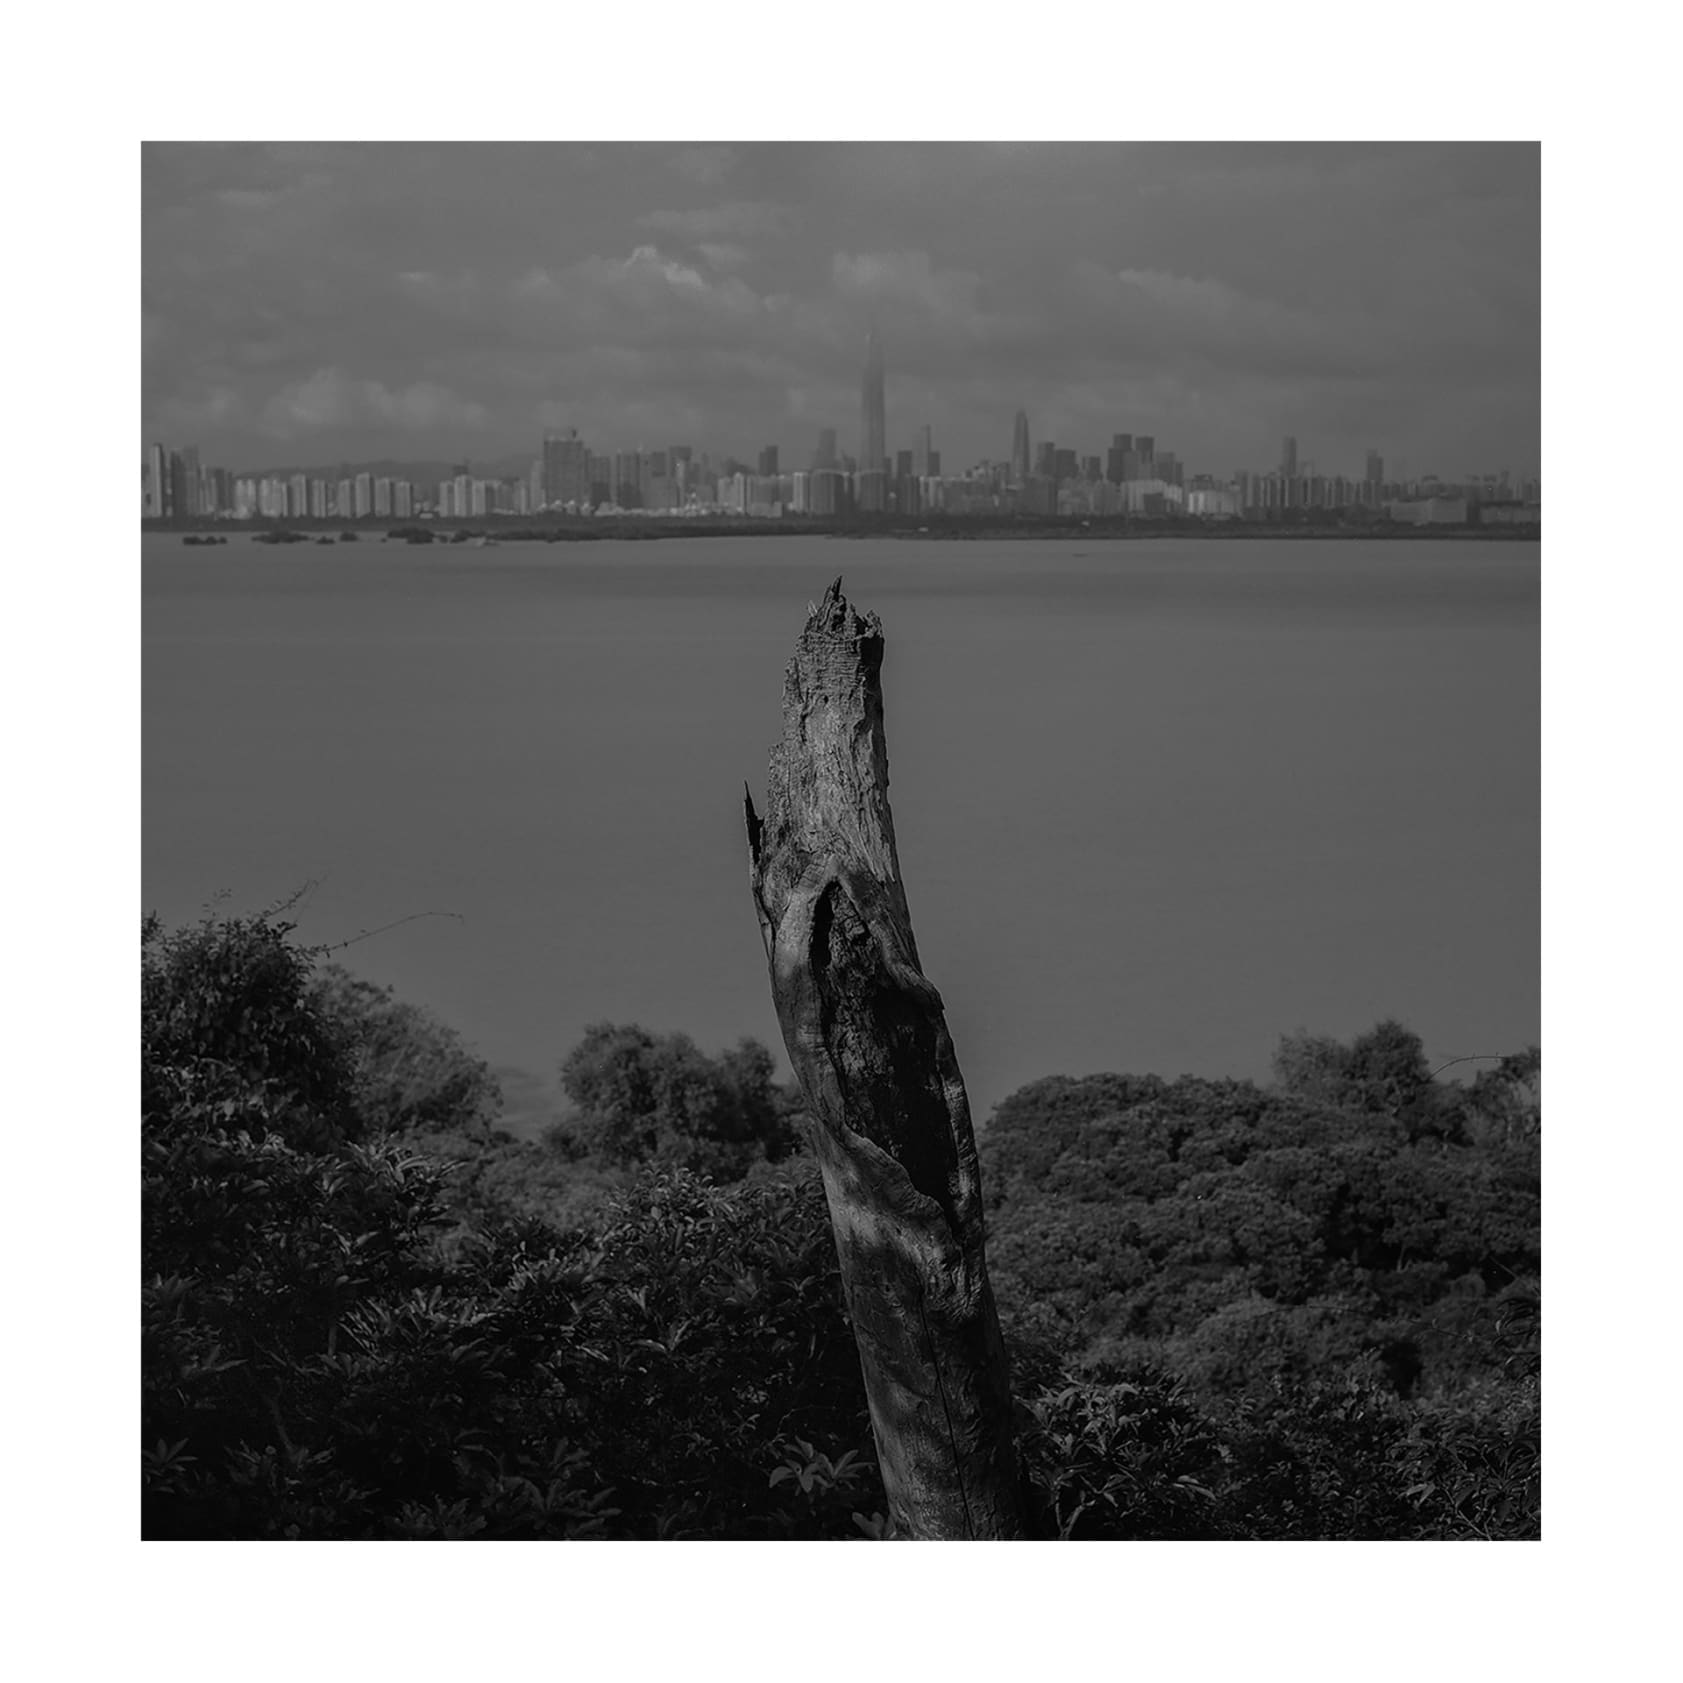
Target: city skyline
[[1366, 297], [1132, 477]]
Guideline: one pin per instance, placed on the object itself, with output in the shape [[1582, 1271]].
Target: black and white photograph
[[841, 841], [855, 789]]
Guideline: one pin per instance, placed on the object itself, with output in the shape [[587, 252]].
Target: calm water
[[1157, 803]]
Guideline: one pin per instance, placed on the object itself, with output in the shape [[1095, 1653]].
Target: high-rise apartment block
[[566, 471], [157, 483], [184, 480], [829, 492]]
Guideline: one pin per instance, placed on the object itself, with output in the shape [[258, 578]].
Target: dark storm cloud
[[336, 301]]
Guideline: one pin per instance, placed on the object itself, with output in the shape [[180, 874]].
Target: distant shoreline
[[530, 529]]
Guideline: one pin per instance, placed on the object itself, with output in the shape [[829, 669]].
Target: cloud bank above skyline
[[313, 303]]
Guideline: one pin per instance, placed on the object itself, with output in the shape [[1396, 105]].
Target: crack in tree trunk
[[867, 1037]]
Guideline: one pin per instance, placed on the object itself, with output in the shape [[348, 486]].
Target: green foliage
[[646, 1098], [410, 1071]]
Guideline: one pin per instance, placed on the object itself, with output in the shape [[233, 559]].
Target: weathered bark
[[868, 1041]]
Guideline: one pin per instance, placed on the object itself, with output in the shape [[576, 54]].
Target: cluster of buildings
[[175, 486], [1132, 477]]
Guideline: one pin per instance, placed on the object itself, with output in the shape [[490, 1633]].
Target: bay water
[[1158, 801]]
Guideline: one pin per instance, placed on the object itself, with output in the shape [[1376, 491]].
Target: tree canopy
[[1232, 1311]]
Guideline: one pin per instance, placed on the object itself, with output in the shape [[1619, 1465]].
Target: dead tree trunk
[[868, 1041]]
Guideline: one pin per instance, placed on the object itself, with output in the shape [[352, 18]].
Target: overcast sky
[[318, 303]]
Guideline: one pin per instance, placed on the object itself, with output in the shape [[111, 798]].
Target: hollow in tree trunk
[[868, 1040]]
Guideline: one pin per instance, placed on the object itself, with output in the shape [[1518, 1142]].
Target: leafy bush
[[1232, 1312], [1242, 1236], [646, 1098], [409, 1070], [1122, 1459], [1335, 1458], [313, 1368], [226, 1009], [317, 1362], [718, 1339]]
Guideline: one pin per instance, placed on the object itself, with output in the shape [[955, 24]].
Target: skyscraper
[[873, 429], [1119, 458], [824, 457], [923, 450], [566, 470], [184, 471], [1288, 457], [157, 482], [1020, 464]]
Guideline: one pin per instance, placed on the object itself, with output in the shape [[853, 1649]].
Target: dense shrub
[[227, 1013], [409, 1070], [314, 1366], [1233, 1312], [1334, 1458], [317, 1363], [646, 1098], [715, 1351], [1243, 1237]]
